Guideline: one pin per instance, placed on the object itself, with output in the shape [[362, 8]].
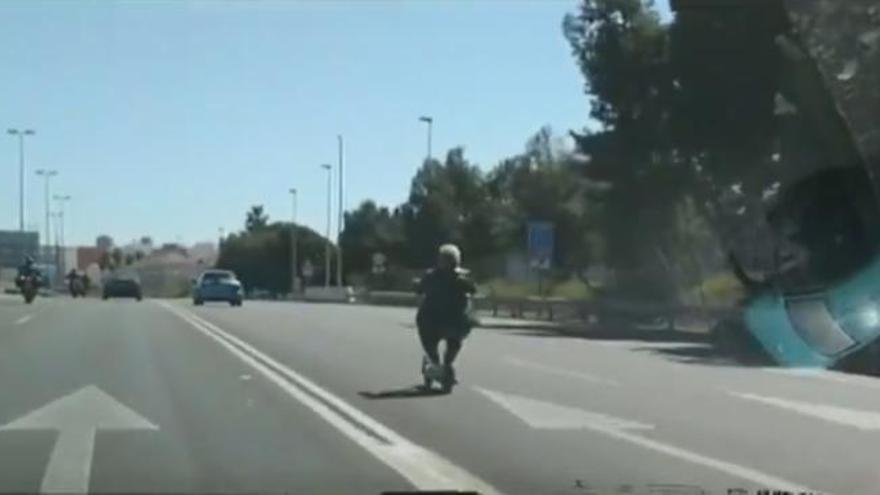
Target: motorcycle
[[77, 288], [29, 286]]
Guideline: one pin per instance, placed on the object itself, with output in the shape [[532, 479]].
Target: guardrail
[[552, 308]]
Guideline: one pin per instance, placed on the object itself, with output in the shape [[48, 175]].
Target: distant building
[[104, 243], [170, 247], [15, 245], [86, 256], [144, 246]]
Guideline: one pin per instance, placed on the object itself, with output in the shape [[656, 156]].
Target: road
[[160, 396]]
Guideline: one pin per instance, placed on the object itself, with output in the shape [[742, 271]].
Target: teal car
[[828, 305], [818, 329], [219, 286]]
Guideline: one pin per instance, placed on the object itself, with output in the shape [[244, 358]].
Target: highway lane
[[703, 424], [14, 311], [319, 398], [219, 427]]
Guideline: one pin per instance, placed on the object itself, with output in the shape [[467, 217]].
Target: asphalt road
[[159, 396]]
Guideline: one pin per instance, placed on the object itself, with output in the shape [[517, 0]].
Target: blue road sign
[[540, 245]]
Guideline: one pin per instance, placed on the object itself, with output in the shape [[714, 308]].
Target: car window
[[215, 277]]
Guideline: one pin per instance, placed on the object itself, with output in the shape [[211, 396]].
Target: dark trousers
[[431, 337]]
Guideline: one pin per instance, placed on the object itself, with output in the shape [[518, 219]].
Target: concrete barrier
[[329, 294]]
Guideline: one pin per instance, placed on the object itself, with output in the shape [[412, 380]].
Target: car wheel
[[105, 297], [197, 302]]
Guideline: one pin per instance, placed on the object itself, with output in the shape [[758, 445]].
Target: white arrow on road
[[540, 414], [546, 415], [861, 419], [77, 417]]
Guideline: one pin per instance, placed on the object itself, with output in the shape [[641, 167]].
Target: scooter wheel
[[446, 386]]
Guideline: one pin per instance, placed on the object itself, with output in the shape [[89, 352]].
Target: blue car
[[829, 308], [217, 285], [818, 328]]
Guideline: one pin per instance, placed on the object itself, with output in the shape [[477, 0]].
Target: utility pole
[[341, 215]]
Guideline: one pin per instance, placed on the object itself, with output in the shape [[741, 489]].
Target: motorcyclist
[[28, 268], [71, 277], [445, 293]]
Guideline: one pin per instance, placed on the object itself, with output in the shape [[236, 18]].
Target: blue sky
[[171, 118]]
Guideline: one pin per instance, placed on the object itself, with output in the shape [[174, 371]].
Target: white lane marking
[[24, 319], [560, 371], [863, 420], [549, 416], [828, 375], [618, 432], [421, 467], [77, 417]]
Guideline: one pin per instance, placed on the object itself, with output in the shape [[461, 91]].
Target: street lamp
[[59, 235], [21, 133], [47, 174], [61, 199], [329, 169], [430, 122], [341, 216], [293, 241]]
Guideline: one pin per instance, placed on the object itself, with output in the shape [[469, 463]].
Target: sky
[[171, 118]]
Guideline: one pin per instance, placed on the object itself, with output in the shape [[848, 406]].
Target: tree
[[256, 219], [261, 257], [370, 229], [622, 50], [519, 188], [129, 259], [447, 203]]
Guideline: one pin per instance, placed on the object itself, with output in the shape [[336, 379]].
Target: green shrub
[[569, 289], [720, 288], [500, 287], [572, 288]]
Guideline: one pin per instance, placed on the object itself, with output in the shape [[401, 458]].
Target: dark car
[[122, 286], [217, 285]]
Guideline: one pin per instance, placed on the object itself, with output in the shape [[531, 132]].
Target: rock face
[[843, 38]]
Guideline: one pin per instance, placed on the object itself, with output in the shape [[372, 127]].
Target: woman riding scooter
[[443, 312]]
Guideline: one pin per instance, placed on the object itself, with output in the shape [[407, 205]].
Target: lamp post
[[341, 216], [47, 175], [329, 169], [59, 232], [294, 272], [430, 122], [21, 133]]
